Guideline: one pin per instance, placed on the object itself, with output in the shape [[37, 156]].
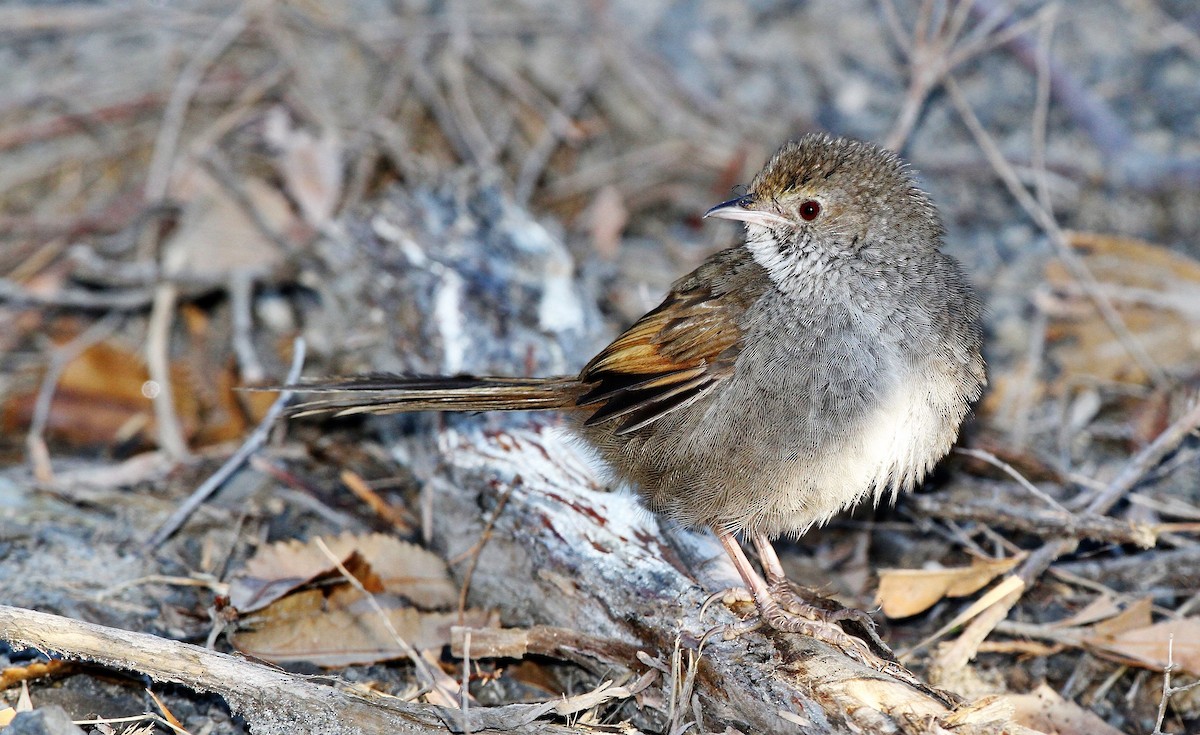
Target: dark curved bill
[[741, 209]]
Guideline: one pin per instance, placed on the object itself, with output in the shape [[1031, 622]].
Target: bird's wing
[[667, 360]]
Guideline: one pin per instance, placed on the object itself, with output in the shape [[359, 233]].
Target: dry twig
[[35, 441], [256, 439], [1169, 691], [954, 657], [1062, 246], [170, 434], [272, 701]]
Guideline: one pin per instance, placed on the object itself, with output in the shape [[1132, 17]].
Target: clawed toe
[[789, 600], [829, 619], [780, 608], [728, 597], [821, 630], [792, 615], [850, 614], [733, 631]]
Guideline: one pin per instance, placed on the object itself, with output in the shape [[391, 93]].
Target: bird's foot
[[730, 598], [793, 602], [789, 615], [814, 623], [785, 610]]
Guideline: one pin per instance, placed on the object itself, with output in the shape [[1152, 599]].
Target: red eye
[[809, 210]]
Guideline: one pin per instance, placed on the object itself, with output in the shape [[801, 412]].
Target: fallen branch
[[270, 700], [1046, 524]]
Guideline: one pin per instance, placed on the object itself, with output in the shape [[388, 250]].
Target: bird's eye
[[809, 210]]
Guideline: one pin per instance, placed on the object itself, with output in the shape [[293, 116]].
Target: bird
[[827, 359]]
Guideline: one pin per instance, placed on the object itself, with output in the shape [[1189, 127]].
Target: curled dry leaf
[[904, 592], [343, 628], [401, 568], [1176, 641], [1044, 710]]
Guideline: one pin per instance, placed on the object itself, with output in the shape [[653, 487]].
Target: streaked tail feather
[[402, 393]]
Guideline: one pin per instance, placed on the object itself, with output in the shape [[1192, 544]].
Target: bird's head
[[822, 199]]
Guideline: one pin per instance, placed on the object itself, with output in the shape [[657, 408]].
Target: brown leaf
[[344, 628], [1153, 289], [1137, 615], [1153, 646], [1101, 608], [1045, 711], [904, 592], [99, 400], [218, 236], [399, 567]]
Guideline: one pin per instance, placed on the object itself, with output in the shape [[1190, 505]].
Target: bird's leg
[[783, 592], [783, 619]]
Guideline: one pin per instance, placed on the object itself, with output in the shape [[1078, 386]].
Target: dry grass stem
[[252, 443]]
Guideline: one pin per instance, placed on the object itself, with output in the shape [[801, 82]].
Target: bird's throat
[[792, 265]]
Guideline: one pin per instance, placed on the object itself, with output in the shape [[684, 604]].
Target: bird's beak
[[740, 209]]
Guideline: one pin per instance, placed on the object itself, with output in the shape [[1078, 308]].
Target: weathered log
[[564, 552]]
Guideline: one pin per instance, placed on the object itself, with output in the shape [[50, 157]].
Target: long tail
[[401, 393]]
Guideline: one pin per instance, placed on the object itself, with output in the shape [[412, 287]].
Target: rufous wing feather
[[667, 360]]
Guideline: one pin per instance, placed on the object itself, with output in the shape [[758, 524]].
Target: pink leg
[[782, 619], [781, 590]]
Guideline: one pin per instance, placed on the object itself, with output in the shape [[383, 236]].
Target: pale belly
[[754, 462]]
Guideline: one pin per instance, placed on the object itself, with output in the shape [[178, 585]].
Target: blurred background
[[501, 186], [229, 142]]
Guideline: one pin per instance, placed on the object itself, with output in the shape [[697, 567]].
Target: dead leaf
[[401, 568], [99, 400], [1046, 711], [344, 628], [1101, 608], [1136, 616], [334, 623], [1154, 290], [217, 235], [311, 166], [905, 592], [1153, 646]]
